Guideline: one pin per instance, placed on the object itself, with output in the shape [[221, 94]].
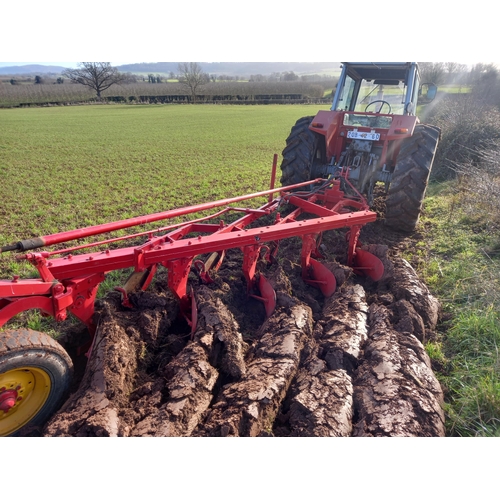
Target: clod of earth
[[349, 365], [396, 392]]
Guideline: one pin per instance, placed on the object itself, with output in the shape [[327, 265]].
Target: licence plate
[[367, 136]]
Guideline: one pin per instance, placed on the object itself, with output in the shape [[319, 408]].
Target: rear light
[[401, 131], [317, 125]]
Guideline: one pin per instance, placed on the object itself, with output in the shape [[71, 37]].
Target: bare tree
[[99, 76], [482, 72], [432, 72], [289, 76], [451, 67], [192, 76]]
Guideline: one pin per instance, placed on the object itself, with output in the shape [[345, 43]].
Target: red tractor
[[371, 134], [331, 164]]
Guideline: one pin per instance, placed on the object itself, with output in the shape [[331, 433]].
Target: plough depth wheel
[[35, 374]]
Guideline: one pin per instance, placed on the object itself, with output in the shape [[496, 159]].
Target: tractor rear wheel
[[35, 375], [301, 153], [409, 179]]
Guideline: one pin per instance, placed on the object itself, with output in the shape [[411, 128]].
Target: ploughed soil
[[352, 364]]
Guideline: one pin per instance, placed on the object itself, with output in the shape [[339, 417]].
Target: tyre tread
[[298, 153], [12, 341], [24, 348], [410, 178]]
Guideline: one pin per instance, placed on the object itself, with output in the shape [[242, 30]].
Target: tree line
[[100, 76], [449, 73]]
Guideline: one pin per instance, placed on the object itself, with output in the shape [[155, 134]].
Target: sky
[[263, 30], [52, 63]]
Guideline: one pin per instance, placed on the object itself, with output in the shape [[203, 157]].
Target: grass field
[[63, 168]]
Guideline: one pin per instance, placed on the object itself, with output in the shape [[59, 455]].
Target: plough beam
[[70, 282]]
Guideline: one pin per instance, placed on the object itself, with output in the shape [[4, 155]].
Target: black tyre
[[409, 179], [301, 154], [35, 375]]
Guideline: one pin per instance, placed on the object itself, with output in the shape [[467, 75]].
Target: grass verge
[[463, 270]]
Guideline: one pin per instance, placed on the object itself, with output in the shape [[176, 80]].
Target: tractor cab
[[378, 88], [370, 135]]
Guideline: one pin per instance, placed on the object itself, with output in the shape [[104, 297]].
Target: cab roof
[[388, 71]]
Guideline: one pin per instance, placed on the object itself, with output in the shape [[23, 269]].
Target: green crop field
[[67, 167]]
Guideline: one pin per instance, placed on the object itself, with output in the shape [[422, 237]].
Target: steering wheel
[[381, 106]]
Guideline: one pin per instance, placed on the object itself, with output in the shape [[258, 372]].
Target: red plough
[[35, 370], [69, 283]]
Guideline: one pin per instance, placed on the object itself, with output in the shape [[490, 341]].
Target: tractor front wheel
[[409, 179], [301, 154], [35, 375]]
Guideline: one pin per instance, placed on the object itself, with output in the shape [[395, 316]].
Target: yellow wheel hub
[[23, 392]]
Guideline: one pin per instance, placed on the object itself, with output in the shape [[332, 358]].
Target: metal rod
[[273, 176], [53, 239]]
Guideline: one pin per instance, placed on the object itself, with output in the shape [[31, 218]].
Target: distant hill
[[236, 68], [243, 69], [31, 69]]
